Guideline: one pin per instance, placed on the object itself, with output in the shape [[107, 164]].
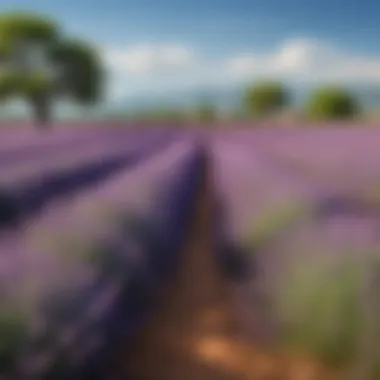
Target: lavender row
[[36, 151], [69, 155], [83, 275], [344, 159], [18, 138], [304, 272], [28, 144], [28, 191]]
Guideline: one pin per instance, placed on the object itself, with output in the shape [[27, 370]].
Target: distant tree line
[[266, 99], [327, 102]]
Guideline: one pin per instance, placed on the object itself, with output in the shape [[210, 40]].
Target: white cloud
[[154, 68], [305, 59], [147, 67], [147, 59]]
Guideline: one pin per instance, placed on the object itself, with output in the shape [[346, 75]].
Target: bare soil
[[195, 333]]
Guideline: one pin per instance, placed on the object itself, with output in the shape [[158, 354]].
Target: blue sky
[[225, 41], [220, 24]]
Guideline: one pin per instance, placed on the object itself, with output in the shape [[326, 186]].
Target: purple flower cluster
[[78, 277]]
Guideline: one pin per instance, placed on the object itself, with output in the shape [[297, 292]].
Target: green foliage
[[273, 221], [13, 82], [25, 25], [320, 309], [5, 49], [265, 98], [12, 335], [81, 70], [9, 82], [34, 85], [331, 102], [38, 63]]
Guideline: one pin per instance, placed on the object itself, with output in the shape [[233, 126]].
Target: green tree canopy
[[38, 64], [265, 97], [331, 102]]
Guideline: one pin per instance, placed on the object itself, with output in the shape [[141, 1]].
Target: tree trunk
[[41, 110]]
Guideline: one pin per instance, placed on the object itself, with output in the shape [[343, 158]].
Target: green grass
[[274, 221], [12, 336], [321, 308]]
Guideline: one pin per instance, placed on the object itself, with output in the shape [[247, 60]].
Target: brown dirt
[[194, 334]]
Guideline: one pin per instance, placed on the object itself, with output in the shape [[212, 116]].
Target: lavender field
[[185, 254], [299, 240]]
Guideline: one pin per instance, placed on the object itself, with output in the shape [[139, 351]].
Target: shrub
[[265, 98], [328, 103], [206, 113]]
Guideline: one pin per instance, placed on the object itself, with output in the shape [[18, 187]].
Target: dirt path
[[193, 335]]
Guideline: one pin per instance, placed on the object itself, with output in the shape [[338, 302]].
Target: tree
[[331, 102], [38, 64], [265, 98], [206, 112]]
